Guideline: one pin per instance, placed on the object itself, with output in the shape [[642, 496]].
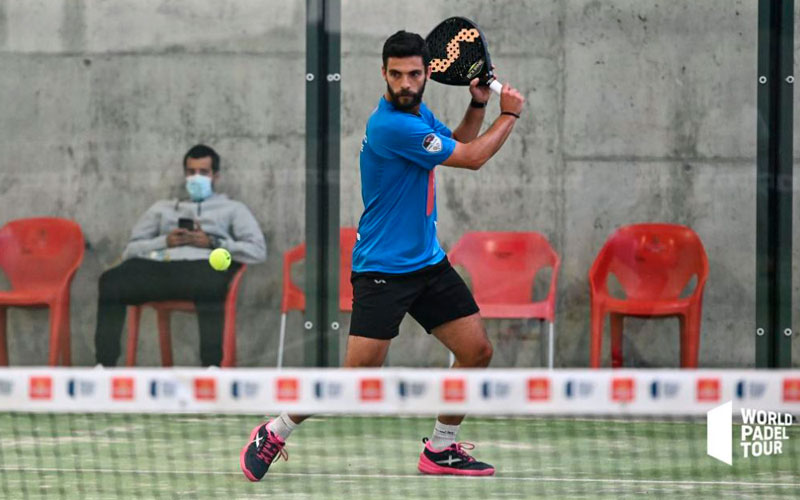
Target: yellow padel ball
[[220, 259]]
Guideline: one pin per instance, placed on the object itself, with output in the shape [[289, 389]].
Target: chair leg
[[616, 340], [547, 347], [65, 340], [596, 341], [542, 343], [56, 311], [690, 338], [134, 317], [280, 340], [229, 338], [3, 343], [164, 337]]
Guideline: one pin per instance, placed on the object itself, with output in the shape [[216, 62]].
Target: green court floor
[[79, 456]]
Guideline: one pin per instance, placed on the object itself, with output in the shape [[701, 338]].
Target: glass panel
[[101, 100], [636, 113]]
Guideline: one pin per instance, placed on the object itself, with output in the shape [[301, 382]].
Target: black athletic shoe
[[264, 448], [452, 460]]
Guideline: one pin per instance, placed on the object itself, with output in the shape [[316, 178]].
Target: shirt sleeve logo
[[431, 143]]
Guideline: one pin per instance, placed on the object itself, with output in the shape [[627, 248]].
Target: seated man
[[167, 259]]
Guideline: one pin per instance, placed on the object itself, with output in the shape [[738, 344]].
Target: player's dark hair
[[405, 44], [202, 151]]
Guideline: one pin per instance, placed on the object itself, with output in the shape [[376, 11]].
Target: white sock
[[443, 435], [282, 426]]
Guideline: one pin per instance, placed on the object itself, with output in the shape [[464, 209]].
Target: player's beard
[[416, 97]]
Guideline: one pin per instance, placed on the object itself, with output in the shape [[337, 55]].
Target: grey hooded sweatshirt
[[229, 222]]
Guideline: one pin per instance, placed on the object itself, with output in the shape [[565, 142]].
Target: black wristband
[[510, 114], [477, 104]]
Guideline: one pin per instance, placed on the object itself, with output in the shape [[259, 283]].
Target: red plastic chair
[[653, 263], [294, 299], [40, 257], [503, 266], [163, 310]]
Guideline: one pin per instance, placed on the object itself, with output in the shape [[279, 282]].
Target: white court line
[[409, 476]]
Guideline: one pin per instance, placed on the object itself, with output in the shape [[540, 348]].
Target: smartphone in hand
[[186, 223]]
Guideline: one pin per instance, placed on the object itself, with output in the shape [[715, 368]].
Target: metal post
[[330, 212], [322, 181], [774, 183]]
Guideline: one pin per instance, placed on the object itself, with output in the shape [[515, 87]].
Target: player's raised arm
[[474, 154], [469, 127]]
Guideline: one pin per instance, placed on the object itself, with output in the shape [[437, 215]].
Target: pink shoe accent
[[426, 466], [253, 435]]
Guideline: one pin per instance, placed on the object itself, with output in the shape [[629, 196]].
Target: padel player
[[398, 265]]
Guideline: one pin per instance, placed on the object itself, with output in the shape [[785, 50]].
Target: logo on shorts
[[431, 143]]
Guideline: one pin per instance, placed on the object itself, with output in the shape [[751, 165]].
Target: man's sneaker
[[264, 448], [452, 460]]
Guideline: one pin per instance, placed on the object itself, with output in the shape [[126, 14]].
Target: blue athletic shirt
[[397, 231]]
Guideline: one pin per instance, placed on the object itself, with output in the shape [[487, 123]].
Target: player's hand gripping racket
[[459, 53]]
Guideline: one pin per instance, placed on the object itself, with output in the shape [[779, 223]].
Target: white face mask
[[199, 187]]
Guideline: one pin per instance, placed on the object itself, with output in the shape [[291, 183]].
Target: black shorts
[[433, 296]]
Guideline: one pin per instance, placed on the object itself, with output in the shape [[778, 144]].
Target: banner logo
[[287, 389], [205, 389], [495, 390], [579, 389], [623, 390], [244, 389], [538, 389], [371, 389], [791, 390], [122, 388], [762, 433], [454, 390], [77, 388], [666, 389], [412, 389], [329, 390], [41, 388], [708, 390]]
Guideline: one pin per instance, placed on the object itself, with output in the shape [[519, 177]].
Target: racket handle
[[496, 86]]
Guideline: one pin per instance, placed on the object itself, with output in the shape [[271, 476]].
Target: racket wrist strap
[[510, 114], [477, 104]]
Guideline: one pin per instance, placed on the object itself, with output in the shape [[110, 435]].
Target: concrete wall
[[637, 111]]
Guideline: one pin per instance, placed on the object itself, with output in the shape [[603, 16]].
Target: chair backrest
[[40, 253], [347, 240], [293, 297], [651, 261], [503, 265]]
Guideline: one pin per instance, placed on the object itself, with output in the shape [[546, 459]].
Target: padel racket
[[459, 53]]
